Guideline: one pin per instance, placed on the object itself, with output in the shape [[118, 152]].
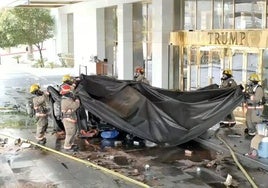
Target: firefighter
[[41, 112], [255, 100], [67, 79], [226, 82], [69, 105], [139, 75], [70, 80]]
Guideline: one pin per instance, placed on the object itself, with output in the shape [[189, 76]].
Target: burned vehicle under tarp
[[154, 114]]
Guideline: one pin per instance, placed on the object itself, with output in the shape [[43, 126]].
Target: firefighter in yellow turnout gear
[[69, 105], [254, 104], [41, 112], [226, 82]]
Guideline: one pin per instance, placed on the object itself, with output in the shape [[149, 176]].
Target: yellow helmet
[[66, 78], [254, 77], [227, 72], [34, 88]]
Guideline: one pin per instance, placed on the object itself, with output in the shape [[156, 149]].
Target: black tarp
[[55, 97], [155, 114]]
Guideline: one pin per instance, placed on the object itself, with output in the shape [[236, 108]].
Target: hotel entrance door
[[203, 66]]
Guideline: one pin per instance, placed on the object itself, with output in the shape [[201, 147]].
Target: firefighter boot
[[42, 142]]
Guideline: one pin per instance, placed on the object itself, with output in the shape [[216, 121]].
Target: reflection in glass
[[142, 37], [184, 67], [204, 14], [216, 67], [204, 68], [218, 14], [252, 65], [190, 15], [265, 72], [237, 67], [193, 69], [228, 9], [110, 39], [250, 14]]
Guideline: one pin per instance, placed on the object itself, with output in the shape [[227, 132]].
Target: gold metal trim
[[221, 38]]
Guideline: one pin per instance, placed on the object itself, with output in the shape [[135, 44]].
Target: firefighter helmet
[[254, 77], [139, 70], [65, 88], [34, 88], [66, 78], [227, 72]]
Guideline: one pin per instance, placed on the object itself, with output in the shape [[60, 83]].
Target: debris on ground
[[17, 141], [188, 152], [236, 135], [25, 145], [3, 141], [228, 181]]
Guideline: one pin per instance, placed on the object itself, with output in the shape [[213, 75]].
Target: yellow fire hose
[[253, 184], [127, 179]]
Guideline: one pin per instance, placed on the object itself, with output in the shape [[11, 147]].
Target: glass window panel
[[190, 15], [204, 18], [228, 8], [250, 14], [142, 37], [111, 38], [147, 39], [204, 68], [193, 69], [218, 14], [216, 67], [267, 15], [265, 72], [185, 56], [252, 66], [237, 67]]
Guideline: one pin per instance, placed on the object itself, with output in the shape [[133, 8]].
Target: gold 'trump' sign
[[246, 38]]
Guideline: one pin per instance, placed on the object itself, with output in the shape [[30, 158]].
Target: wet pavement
[[204, 162], [207, 165], [34, 167]]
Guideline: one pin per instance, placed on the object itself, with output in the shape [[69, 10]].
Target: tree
[[29, 26]]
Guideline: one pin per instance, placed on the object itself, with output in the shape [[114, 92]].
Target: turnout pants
[[42, 123], [253, 117], [70, 130]]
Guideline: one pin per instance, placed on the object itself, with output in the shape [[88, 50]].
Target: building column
[[125, 42], [101, 33], [163, 16]]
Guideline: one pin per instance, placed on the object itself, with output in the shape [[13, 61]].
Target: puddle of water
[[172, 171], [171, 155], [205, 175]]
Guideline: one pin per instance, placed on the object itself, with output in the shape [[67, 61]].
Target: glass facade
[[204, 16], [190, 15], [207, 61], [142, 37], [225, 14], [111, 40], [218, 14]]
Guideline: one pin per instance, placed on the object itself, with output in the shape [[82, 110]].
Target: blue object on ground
[[263, 148], [110, 134]]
